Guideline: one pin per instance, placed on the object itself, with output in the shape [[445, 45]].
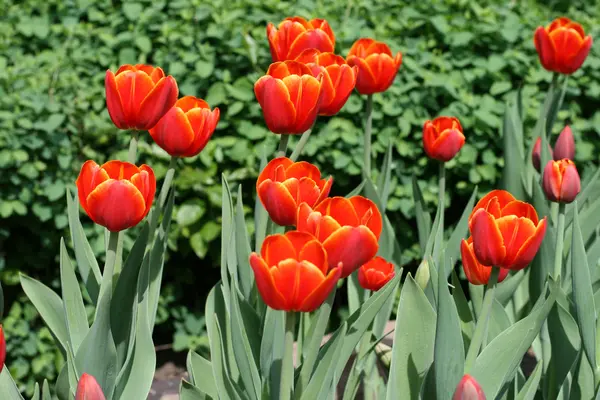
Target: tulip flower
[[295, 34], [468, 389], [289, 96], [565, 145], [186, 127], [292, 272], [477, 273], [377, 67], [348, 228], [283, 185], [506, 232], [338, 81], [536, 153], [116, 195], [561, 181], [2, 348], [375, 274], [137, 96], [443, 138], [562, 46], [88, 389]]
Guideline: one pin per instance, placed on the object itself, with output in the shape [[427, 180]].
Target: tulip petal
[[313, 39], [447, 145], [113, 101], [351, 246], [187, 103], [278, 109], [545, 48], [160, 99], [578, 58], [529, 249], [299, 240], [173, 132], [265, 284], [116, 205], [325, 187], [278, 202], [120, 170], [90, 176], [362, 205], [473, 269], [366, 82], [88, 389], [488, 243], [343, 78], [204, 123], [270, 170], [277, 248], [515, 231], [520, 209], [133, 86], [341, 209], [286, 277], [146, 184], [308, 192], [384, 70], [302, 169], [314, 300], [314, 252]]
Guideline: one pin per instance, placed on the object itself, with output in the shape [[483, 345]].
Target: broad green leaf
[[86, 262], [529, 391], [433, 234], [50, 307], [187, 391], [246, 277], [75, 314], [513, 151], [383, 182], [476, 293], [467, 321], [73, 373], [499, 321], [460, 231], [587, 191], [62, 388], [583, 385], [583, 295], [505, 289], [201, 373], [422, 216], [260, 214], [414, 341], [227, 234], [544, 259], [356, 294], [272, 347], [8, 388]]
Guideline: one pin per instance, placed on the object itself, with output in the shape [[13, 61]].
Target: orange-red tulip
[[348, 228], [506, 232], [377, 67], [477, 273], [137, 96], [338, 81], [468, 389], [375, 274], [186, 127], [561, 181], [2, 348], [88, 389], [536, 153], [443, 138], [289, 96], [565, 145], [292, 272], [295, 34], [562, 46], [116, 195], [283, 185]]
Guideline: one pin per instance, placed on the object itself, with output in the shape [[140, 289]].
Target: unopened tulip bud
[[536, 154], [565, 145], [88, 389], [561, 181], [2, 349], [468, 389], [423, 274]]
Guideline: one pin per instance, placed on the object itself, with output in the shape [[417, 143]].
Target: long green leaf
[[383, 182], [227, 236], [62, 388], [460, 231], [506, 288], [467, 320], [46, 391], [8, 388], [272, 348], [201, 374], [260, 214], [499, 321], [529, 391], [423, 217], [414, 341], [356, 294], [583, 385], [187, 391], [514, 152], [242, 247]]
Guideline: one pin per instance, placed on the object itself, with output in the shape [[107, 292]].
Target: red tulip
[[565, 145], [295, 34], [338, 81], [468, 389], [377, 67], [116, 195], [88, 389], [375, 274], [443, 138], [348, 228], [284, 184], [506, 232], [137, 96], [289, 96], [2, 348], [561, 181], [536, 153], [292, 272], [186, 127], [562, 46], [477, 273]]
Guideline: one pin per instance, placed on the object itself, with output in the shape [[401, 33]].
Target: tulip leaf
[[498, 322], [75, 314], [201, 374], [467, 321], [260, 214], [86, 262], [356, 294], [452, 248], [544, 259], [449, 354], [433, 234], [187, 391], [62, 388], [529, 390], [423, 217], [496, 366], [46, 391], [593, 255], [8, 388], [583, 385], [383, 182], [272, 348], [357, 190], [246, 277], [476, 293], [583, 295], [227, 231], [50, 307], [36, 392], [505, 289], [587, 191], [514, 149], [72, 373], [414, 341]]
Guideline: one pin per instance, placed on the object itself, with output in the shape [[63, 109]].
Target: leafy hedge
[[460, 58]]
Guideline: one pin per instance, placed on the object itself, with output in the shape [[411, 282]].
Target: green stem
[[368, 129], [560, 241], [164, 191], [133, 144], [283, 144], [442, 192], [109, 264], [300, 145], [287, 364], [482, 322]]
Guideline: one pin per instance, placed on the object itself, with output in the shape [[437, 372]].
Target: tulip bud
[[561, 181], [423, 274], [468, 389], [565, 145], [88, 389], [536, 154], [2, 349]]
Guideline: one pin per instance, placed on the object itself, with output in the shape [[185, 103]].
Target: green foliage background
[[461, 58]]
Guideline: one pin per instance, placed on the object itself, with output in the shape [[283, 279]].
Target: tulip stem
[[482, 323], [560, 241], [300, 145], [164, 190], [368, 129], [287, 364], [110, 262], [133, 144], [283, 145]]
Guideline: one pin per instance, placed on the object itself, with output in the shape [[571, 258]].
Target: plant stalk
[[287, 364], [482, 322], [114, 239], [368, 130], [560, 241], [300, 145], [283, 145], [133, 144], [164, 190]]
